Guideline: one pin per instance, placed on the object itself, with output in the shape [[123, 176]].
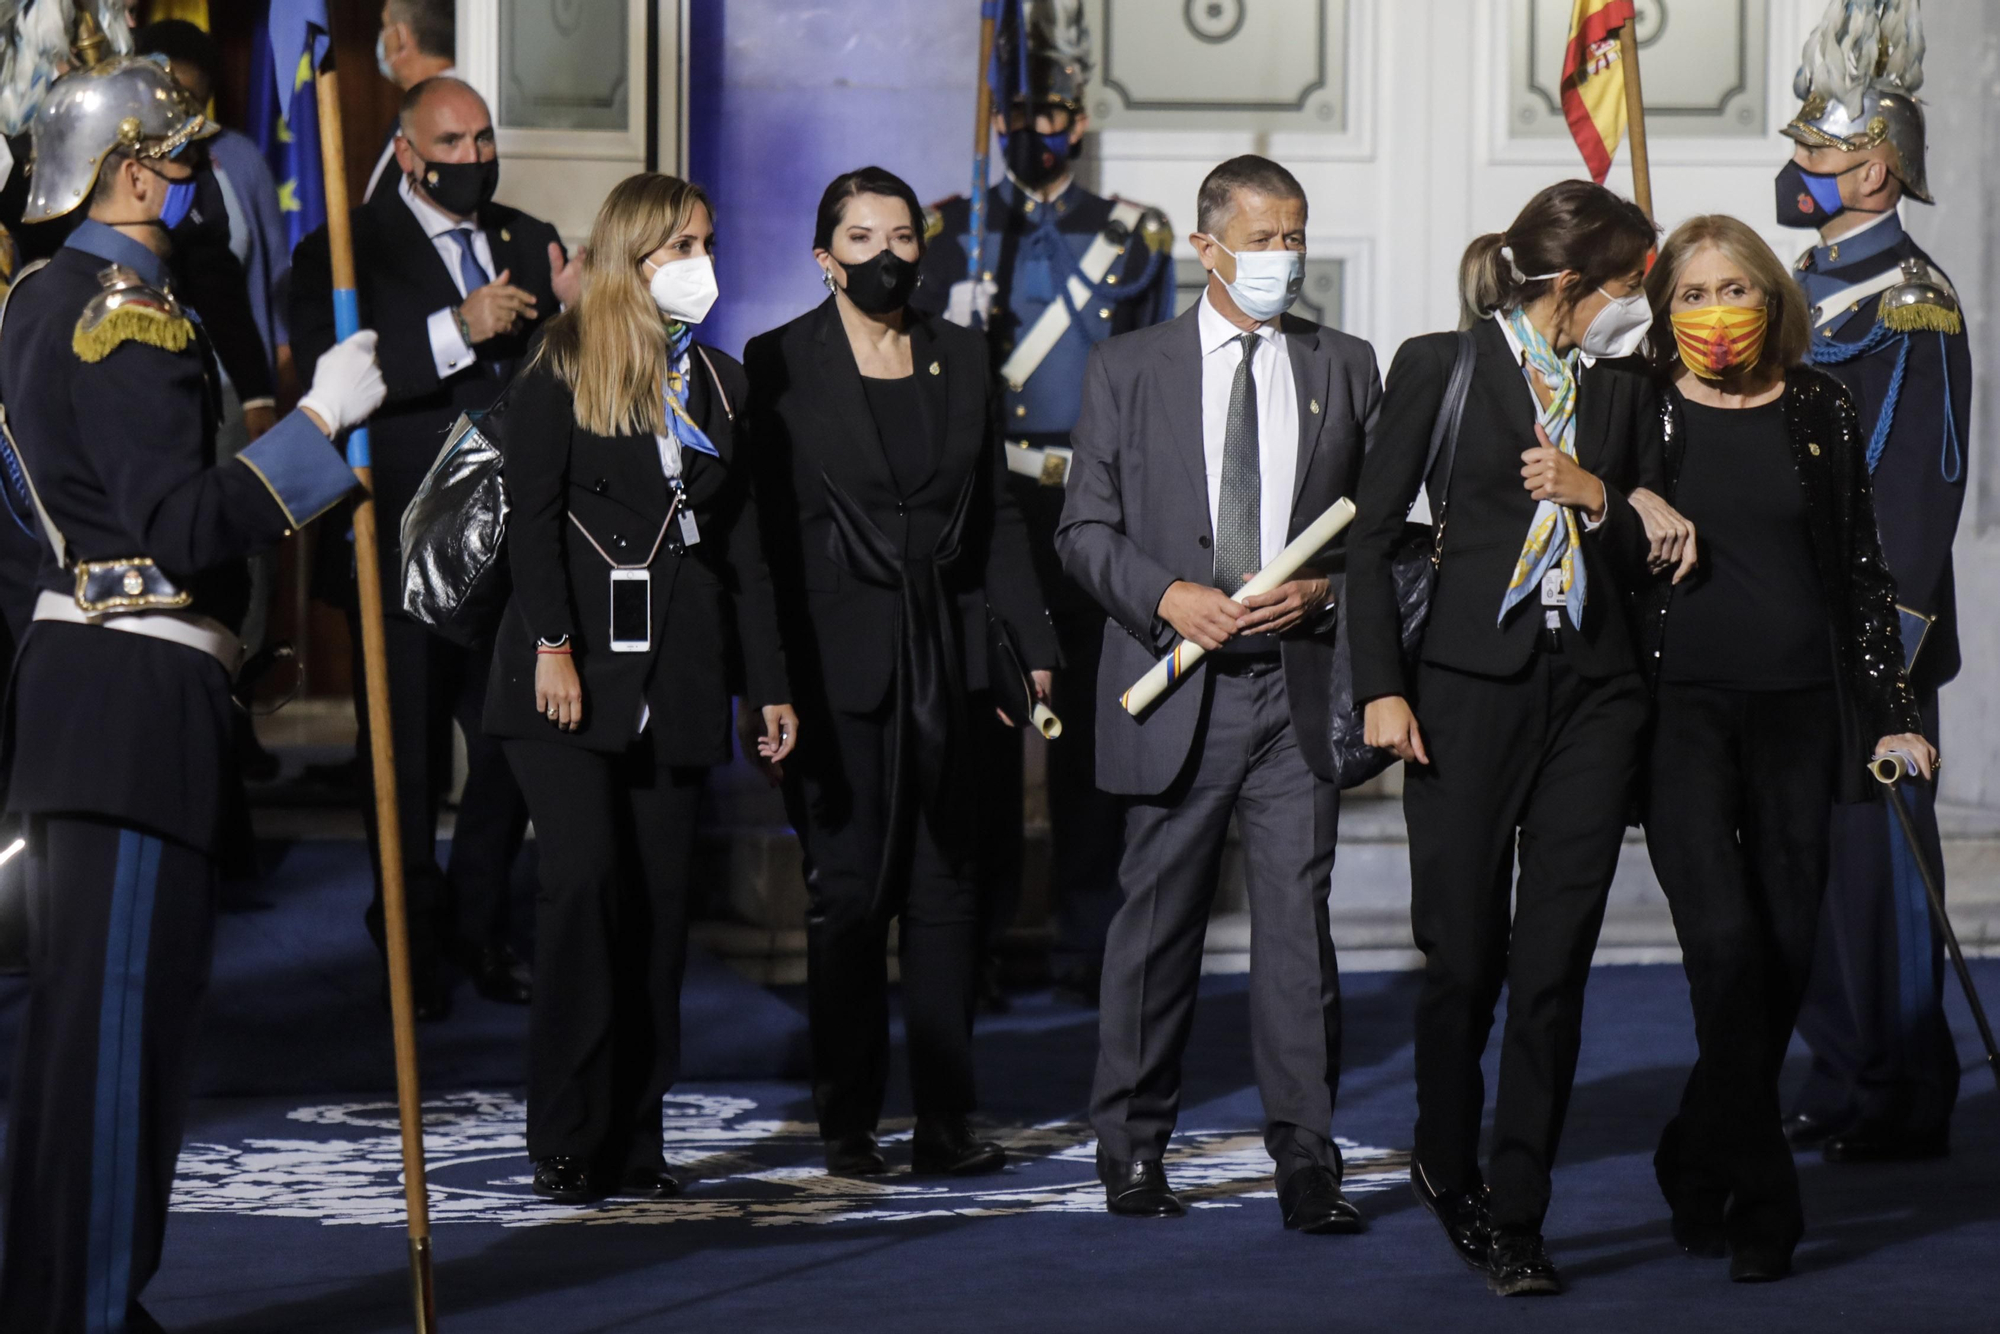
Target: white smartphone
[[631, 611]]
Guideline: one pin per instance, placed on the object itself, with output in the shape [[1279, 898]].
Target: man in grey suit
[[1205, 444]]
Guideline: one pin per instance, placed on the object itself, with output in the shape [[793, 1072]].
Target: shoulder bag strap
[[721, 394], [1444, 437]]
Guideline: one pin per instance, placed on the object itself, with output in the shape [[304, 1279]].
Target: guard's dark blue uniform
[[1874, 1013], [1033, 247], [117, 744]]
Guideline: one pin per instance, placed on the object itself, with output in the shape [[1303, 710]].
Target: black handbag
[[1413, 566], [454, 533]]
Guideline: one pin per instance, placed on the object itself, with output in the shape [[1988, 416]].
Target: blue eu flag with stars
[[284, 112]]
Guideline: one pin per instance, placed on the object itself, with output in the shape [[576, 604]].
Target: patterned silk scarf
[[679, 422], [1554, 538]]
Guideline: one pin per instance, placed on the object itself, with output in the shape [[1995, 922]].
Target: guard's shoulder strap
[[56, 539], [1054, 321]]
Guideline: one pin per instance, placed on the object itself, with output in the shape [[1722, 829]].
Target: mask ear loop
[[1507, 253]]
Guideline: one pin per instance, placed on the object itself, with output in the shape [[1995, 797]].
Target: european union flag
[[284, 112]]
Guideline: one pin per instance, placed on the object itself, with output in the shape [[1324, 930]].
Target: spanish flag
[[1593, 82]]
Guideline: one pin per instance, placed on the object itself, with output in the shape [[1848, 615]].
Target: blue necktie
[[469, 271]]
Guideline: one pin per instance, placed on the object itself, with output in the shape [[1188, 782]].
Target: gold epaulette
[[125, 309], [934, 221], [1923, 302], [1156, 231]]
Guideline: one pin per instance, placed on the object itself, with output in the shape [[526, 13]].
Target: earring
[[826, 276]]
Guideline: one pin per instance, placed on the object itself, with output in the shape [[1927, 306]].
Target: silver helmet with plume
[[1859, 77], [1058, 56]]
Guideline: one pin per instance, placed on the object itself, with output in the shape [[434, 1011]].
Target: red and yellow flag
[[1593, 82]]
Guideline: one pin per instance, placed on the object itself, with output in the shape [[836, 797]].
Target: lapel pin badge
[[936, 369], [1314, 405], [506, 235]]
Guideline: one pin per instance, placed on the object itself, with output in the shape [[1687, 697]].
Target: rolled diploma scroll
[[1161, 677], [1045, 721]]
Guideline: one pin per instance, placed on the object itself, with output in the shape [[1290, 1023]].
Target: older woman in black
[[638, 574], [1777, 667], [1527, 689], [890, 531]]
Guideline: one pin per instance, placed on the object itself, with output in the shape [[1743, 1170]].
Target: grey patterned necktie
[[1239, 541]]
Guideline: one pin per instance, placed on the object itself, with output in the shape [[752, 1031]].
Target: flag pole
[[381, 746], [982, 143], [1635, 117]]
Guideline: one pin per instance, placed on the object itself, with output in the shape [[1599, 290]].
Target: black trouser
[[1739, 786], [1874, 1009], [1086, 826], [121, 925], [839, 801], [613, 835], [433, 682], [1543, 761]]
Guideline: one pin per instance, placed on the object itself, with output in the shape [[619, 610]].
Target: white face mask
[[684, 289], [1267, 281], [1620, 328]]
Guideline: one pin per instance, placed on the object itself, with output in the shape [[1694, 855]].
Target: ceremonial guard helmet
[[1859, 77], [123, 102], [1057, 61]]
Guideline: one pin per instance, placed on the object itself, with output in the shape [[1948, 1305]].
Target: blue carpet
[[287, 1209]]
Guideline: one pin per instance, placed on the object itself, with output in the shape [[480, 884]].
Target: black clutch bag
[[454, 533]]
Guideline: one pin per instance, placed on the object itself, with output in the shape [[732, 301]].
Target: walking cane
[[1890, 768], [381, 746]]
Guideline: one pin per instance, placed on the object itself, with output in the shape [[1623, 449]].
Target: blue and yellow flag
[[284, 113]]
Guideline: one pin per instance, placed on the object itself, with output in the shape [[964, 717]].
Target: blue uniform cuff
[[300, 467]]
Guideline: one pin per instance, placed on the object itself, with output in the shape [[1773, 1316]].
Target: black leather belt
[[1244, 664]]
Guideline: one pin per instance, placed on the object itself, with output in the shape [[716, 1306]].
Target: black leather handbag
[[1413, 565], [454, 533]]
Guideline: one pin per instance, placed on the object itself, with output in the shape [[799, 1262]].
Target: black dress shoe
[[501, 975], [1462, 1214], [855, 1156], [1311, 1202], [563, 1180], [1138, 1189], [1866, 1143], [1751, 1265], [1520, 1266], [1803, 1130], [945, 1146], [648, 1183]]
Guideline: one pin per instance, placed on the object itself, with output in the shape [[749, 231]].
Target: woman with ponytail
[[1774, 666], [1519, 718], [639, 578]]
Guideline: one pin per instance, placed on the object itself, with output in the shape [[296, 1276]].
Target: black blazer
[[1866, 639], [710, 604], [1487, 513], [400, 279], [811, 425]]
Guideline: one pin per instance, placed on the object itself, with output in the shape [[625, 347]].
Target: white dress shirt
[[1277, 419], [449, 350]]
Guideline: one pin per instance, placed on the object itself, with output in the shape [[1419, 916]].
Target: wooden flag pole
[[1635, 118], [381, 744]]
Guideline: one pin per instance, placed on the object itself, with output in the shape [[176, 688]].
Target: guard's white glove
[[970, 304], [347, 384]]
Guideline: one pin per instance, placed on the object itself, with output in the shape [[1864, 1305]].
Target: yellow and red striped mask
[[1715, 340]]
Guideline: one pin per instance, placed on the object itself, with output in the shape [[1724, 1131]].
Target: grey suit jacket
[[1135, 519]]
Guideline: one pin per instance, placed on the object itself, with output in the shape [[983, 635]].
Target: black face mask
[[881, 284], [459, 187], [1809, 198], [1037, 159]]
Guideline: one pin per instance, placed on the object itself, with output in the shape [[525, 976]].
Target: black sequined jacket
[[1829, 451]]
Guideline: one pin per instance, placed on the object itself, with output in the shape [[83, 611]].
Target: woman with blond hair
[[638, 578], [1775, 663]]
